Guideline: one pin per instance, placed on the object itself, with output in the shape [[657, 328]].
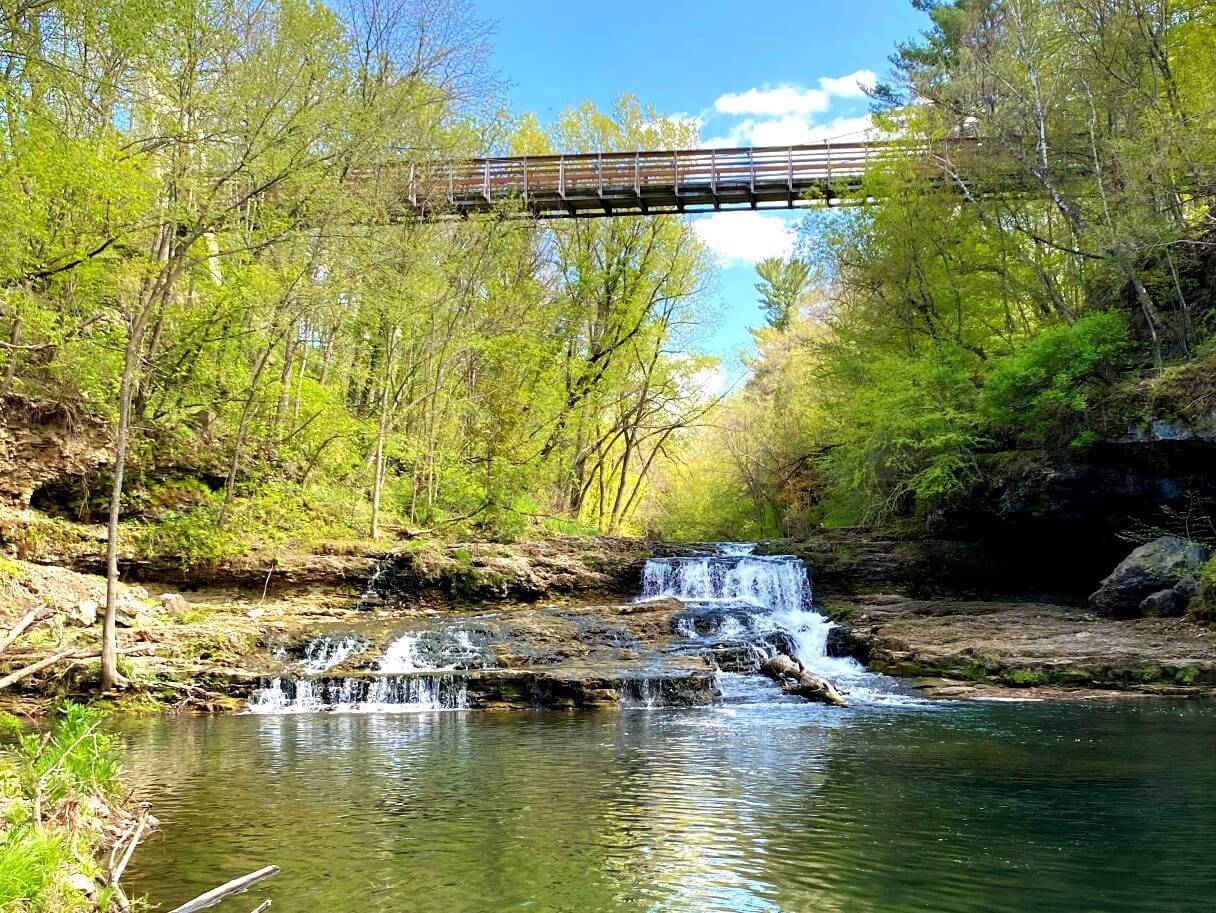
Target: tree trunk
[[110, 678], [795, 678]]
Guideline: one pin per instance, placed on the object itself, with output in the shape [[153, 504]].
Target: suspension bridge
[[601, 184]]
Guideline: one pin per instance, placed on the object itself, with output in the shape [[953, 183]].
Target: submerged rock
[[1157, 578]]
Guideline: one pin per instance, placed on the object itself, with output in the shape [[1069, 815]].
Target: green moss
[[842, 612], [11, 570], [192, 615], [224, 647]]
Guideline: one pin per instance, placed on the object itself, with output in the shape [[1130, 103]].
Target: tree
[[782, 286]]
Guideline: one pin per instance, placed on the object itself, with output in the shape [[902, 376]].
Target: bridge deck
[[623, 183]]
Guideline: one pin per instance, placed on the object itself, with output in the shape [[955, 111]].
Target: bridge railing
[[631, 174]]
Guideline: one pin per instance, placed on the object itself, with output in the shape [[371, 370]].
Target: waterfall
[[361, 694], [401, 656], [323, 653], [404, 679], [744, 608]]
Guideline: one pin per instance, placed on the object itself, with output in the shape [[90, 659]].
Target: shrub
[[1203, 606], [906, 439], [1041, 393]]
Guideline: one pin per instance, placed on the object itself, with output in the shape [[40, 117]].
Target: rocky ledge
[[1025, 645]]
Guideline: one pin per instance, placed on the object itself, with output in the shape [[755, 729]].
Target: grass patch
[[55, 788]]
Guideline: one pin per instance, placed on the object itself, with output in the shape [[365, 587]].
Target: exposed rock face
[[556, 656], [849, 562], [1158, 578], [480, 572], [43, 443]]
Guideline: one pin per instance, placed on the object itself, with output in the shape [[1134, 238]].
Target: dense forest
[[199, 253], [1056, 287]]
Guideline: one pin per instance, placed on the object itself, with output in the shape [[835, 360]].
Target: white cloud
[[745, 238], [790, 130], [710, 382], [774, 101], [855, 85], [789, 114]]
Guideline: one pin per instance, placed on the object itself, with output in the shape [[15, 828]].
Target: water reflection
[[752, 808]]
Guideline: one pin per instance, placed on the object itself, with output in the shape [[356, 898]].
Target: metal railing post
[[561, 177], [789, 174], [413, 188], [485, 182], [751, 167], [599, 172], [637, 174], [525, 180]]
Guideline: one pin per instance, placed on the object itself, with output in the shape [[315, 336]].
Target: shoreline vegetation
[[69, 828]]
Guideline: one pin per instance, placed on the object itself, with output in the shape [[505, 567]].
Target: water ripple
[[779, 807]]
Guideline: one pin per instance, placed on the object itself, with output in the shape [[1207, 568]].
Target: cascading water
[[362, 694], [402, 681], [744, 608], [323, 653], [739, 609]]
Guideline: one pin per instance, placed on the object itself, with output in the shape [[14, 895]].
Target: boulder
[[84, 614], [79, 881], [1140, 583], [173, 602], [1164, 604]]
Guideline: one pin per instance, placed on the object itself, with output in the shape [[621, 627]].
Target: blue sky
[[768, 72]]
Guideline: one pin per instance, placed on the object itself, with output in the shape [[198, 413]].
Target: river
[[757, 803]]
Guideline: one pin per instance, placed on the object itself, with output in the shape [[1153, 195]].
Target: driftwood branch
[[215, 895], [117, 870], [262, 907], [69, 654], [13, 677], [27, 621], [795, 678]]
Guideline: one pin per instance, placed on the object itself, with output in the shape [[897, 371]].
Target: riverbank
[[556, 625]]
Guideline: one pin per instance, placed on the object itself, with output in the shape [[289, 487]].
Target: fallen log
[[795, 678], [13, 677], [215, 895], [72, 654], [19, 628]]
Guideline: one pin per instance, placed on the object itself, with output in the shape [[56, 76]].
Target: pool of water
[[755, 807]]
